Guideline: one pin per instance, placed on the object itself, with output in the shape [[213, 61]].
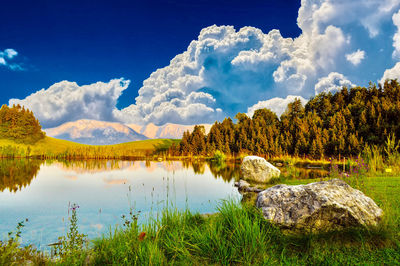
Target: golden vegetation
[[55, 148]]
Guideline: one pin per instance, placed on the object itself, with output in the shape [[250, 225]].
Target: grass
[[56, 148], [238, 234]]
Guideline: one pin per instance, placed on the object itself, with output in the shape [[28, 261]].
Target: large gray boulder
[[257, 169], [321, 206]]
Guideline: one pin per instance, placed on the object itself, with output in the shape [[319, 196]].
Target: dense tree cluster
[[339, 124], [19, 124]]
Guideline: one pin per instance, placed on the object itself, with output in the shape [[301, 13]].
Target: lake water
[[42, 191]]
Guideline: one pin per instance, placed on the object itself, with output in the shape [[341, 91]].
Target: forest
[[345, 123], [19, 124]]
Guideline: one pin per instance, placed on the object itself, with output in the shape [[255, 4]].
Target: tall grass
[[11, 253], [62, 149], [239, 234]]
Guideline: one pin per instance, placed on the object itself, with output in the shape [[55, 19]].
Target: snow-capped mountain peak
[[94, 132]]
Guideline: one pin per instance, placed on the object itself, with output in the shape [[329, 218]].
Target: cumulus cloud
[[67, 101], [332, 83], [277, 105], [356, 57], [225, 70], [392, 73], [6, 56], [396, 37]]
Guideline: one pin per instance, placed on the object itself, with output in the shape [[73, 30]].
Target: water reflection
[[225, 170], [17, 174], [303, 173]]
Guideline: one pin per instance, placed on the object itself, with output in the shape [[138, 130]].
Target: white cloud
[[333, 82], [277, 105], [6, 56], [216, 72], [235, 68], [356, 57], [10, 53], [314, 15], [396, 37], [392, 73], [67, 101]]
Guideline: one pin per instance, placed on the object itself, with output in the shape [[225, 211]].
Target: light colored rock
[[244, 186], [321, 206], [258, 169]]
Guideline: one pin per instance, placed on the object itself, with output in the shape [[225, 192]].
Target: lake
[[105, 190], [42, 191]]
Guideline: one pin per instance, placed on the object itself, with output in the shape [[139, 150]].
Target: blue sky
[[188, 61], [90, 41]]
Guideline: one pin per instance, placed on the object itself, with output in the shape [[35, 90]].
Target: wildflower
[[142, 235], [74, 207]]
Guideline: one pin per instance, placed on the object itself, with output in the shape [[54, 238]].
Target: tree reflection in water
[[16, 174]]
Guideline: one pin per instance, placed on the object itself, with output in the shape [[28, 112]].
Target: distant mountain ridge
[[95, 132], [167, 131]]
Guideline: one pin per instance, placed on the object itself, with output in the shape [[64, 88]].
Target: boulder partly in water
[[318, 207], [257, 169]]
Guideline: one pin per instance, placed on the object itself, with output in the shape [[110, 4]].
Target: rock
[[253, 189], [321, 206], [242, 184], [279, 164], [258, 169]]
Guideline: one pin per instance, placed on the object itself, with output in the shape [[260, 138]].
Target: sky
[[189, 62]]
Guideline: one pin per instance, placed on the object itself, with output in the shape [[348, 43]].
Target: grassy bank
[[238, 234], [56, 148]]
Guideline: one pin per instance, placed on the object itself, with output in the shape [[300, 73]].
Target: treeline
[[340, 124], [19, 124]]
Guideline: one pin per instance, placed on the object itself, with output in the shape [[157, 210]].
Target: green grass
[[238, 234]]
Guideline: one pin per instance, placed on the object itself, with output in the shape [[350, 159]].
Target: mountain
[[94, 132], [167, 131]]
